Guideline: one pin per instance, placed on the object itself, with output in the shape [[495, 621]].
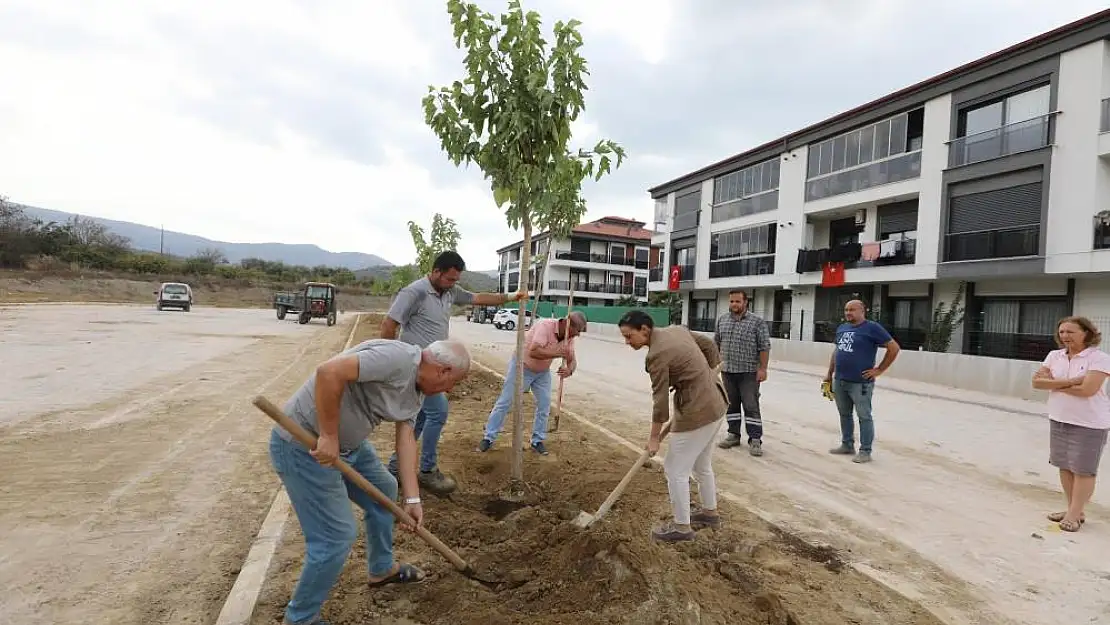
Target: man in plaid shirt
[[745, 346]]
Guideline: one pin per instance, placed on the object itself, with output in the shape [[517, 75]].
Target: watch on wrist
[[412, 500]]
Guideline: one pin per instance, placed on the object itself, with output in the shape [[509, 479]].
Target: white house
[[994, 175], [603, 261]]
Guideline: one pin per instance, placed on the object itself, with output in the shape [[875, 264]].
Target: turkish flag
[[676, 276], [832, 274]]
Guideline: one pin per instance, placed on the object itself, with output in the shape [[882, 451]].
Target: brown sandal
[[1056, 517], [1070, 526]]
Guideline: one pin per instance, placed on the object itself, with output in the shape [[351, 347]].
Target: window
[[641, 286], [660, 212], [1102, 231], [703, 315], [890, 137], [759, 178], [743, 252], [686, 210], [685, 258], [1013, 124]]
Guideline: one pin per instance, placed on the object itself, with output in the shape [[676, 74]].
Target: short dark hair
[[741, 292], [448, 260], [636, 319]]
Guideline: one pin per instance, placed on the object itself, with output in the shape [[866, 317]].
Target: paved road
[[133, 470], [951, 511]]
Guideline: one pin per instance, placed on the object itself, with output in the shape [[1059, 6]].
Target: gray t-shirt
[[423, 313], [385, 391]]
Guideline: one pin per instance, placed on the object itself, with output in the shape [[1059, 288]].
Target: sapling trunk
[[516, 475]]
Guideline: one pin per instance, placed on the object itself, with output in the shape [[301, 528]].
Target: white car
[[505, 319], [174, 295]]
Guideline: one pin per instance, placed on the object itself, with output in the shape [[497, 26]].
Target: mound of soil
[[745, 573]]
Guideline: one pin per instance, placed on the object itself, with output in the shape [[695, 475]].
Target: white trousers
[[691, 453]]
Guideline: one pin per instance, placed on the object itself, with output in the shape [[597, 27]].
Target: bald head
[[855, 311]]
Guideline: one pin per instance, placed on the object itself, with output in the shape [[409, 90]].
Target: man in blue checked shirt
[[745, 346]]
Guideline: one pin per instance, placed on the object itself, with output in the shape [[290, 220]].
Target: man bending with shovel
[[342, 402], [685, 361], [546, 340]]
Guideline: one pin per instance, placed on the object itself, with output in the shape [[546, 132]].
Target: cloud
[[295, 121]]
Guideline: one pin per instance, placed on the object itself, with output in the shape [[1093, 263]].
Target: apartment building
[[603, 262], [994, 176]]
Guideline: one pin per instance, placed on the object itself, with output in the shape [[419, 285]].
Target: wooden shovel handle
[[619, 490], [307, 439]]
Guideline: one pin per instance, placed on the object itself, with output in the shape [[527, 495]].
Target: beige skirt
[[1075, 448]]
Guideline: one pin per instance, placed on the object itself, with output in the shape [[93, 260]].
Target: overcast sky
[[300, 121]]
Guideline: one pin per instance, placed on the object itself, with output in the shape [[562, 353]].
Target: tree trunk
[[516, 479]]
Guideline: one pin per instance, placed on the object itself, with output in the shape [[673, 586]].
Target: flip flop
[[1056, 517], [406, 574]]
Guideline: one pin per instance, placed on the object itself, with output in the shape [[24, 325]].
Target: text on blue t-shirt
[[856, 348]]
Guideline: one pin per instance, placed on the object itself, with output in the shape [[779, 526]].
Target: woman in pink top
[[1078, 412]]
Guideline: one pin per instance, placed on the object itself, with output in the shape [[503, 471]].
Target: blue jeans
[[321, 498], [855, 395], [540, 383], [429, 422]]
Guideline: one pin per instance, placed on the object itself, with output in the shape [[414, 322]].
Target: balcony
[[891, 252], [987, 244], [1025, 136], [893, 169], [735, 267], [685, 221], [655, 274], [702, 325], [743, 207], [590, 287], [601, 259]]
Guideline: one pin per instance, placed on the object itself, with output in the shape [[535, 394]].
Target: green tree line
[[84, 244]]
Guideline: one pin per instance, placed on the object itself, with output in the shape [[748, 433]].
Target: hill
[[476, 281], [148, 238]]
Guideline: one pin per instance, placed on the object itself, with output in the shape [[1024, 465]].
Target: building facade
[[603, 262], [988, 185]]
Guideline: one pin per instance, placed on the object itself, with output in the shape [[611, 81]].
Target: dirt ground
[[746, 573], [133, 468], [25, 286]]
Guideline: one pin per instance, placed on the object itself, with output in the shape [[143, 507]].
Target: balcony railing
[[591, 287], [605, 259], [1031, 134], [1000, 243], [702, 325], [655, 274], [746, 206], [685, 221], [1104, 125], [752, 266], [893, 169], [891, 252]]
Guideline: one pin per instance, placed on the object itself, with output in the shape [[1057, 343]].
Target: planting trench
[[744, 573]]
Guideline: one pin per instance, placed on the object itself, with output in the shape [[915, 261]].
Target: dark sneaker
[[671, 534], [755, 447], [485, 444], [862, 457], [539, 448], [732, 440], [843, 450], [436, 482]]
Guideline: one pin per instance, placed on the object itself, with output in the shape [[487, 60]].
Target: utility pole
[[162, 241]]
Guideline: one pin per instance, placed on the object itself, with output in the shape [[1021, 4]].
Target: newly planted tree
[[511, 115], [443, 237]]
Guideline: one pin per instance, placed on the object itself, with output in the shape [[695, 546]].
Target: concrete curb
[[239, 605]]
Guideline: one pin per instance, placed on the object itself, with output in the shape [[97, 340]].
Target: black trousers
[[743, 404]]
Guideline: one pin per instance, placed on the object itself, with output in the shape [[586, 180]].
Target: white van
[[174, 295]]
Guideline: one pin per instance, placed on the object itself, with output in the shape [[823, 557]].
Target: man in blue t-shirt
[[853, 361]]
